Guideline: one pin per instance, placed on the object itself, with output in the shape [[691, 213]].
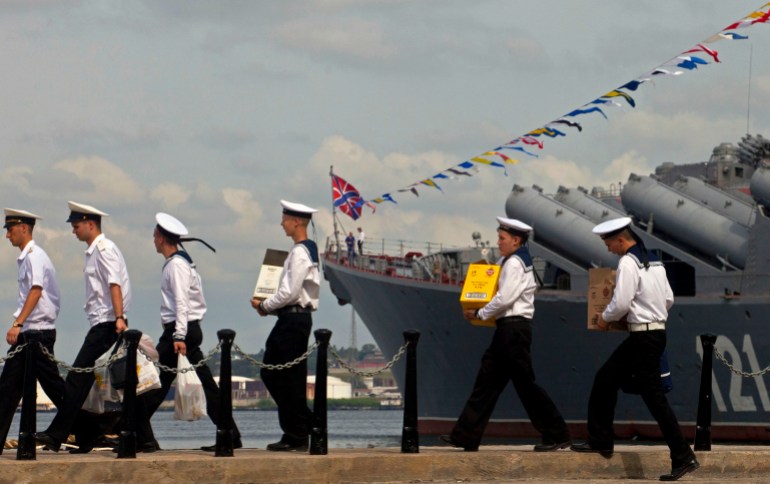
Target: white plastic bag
[[189, 400], [101, 390], [94, 402], [147, 374]]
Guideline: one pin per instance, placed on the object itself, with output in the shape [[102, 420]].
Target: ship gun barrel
[[593, 208], [559, 227], [760, 184], [718, 200], [685, 220]]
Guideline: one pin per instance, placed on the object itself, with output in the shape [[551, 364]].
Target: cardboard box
[[479, 288], [601, 286], [270, 273]]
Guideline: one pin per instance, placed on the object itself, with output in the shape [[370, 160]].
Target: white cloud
[[108, 181], [170, 195], [16, 177], [249, 211]]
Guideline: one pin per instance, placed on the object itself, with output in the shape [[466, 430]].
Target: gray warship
[[708, 221]]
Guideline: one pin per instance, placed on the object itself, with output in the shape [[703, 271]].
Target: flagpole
[[334, 215]]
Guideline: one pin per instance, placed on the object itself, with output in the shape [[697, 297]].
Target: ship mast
[[748, 97], [334, 217]]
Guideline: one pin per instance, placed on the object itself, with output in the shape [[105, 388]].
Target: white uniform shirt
[[36, 269], [300, 282], [181, 294], [361, 237], [645, 296], [515, 294], [104, 266]]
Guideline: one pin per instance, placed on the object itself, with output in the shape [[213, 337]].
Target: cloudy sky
[[213, 111]]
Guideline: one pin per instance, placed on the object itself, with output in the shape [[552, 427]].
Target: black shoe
[[213, 448], [586, 447], [145, 448], [51, 443], [552, 447], [285, 446], [449, 440], [81, 450], [680, 471]]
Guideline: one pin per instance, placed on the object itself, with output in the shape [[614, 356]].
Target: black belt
[[512, 319], [172, 324], [294, 308]]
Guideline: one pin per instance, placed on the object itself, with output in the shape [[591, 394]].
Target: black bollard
[[319, 443], [127, 438], [410, 437], [703, 420], [224, 442], [26, 450]]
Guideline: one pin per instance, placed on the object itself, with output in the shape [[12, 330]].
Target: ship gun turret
[[686, 220]]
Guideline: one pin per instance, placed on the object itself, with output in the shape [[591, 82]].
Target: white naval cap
[[611, 227], [173, 229], [297, 209], [14, 217], [512, 225], [81, 211], [171, 224]]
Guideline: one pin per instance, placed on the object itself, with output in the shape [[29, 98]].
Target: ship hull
[[566, 356]]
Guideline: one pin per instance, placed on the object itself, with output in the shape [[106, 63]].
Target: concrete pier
[[432, 464]]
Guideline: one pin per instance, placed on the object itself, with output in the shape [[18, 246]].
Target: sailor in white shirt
[[108, 299], [643, 297], [361, 240], [181, 311], [509, 356], [33, 321], [293, 302]]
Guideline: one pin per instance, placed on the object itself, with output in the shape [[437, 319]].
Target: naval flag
[[346, 198]]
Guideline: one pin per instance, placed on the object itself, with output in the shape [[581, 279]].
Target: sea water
[[350, 429]]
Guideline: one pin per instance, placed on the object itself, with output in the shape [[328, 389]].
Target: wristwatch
[[125, 319], [16, 324]]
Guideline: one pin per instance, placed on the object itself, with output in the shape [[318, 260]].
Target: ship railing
[[422, 261]]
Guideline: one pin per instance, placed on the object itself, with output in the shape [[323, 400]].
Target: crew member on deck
[[108, 299], [37, 307], [293, 302], [643, 297], [181, 312], [509, 357]]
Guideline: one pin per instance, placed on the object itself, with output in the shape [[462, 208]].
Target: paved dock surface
[[640, 463]]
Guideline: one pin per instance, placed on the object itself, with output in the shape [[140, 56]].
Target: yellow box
[[601, 285], [479, 288]]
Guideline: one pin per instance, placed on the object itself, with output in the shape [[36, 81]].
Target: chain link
[[388, 366], [192, 367], [281, 366], [118, 354], [13, 353], [742, 373]]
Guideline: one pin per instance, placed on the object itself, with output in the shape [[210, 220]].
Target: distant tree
[[366, 350]]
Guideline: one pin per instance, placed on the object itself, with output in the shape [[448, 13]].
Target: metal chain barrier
[[282, 366], [742, 373], [192, 367], [67, 367], [13, 353], [388, 366]]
